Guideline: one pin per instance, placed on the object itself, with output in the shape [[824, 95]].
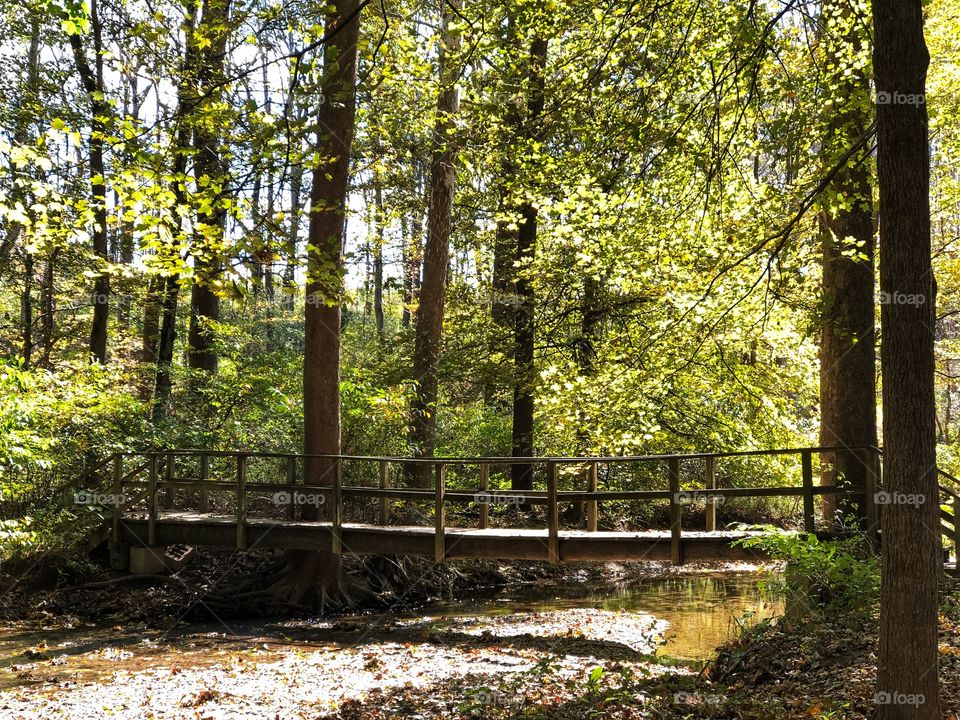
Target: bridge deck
[[501, 543]]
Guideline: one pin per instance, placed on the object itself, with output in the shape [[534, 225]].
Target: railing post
[[676, 517], [872, 480], [292, 486], [553, 515], [204, 477], [439, 546], [117, 497], [152, 500], [384, 485], [592, 483], [336, 512], [241, 501], [806, 460], [484, 488], [710, 482], [168, 493]]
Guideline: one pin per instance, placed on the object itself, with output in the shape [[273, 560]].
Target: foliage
[[827, 574]]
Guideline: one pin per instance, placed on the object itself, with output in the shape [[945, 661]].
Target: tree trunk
[[151, 319], [436, 257], [523, 357], [48, 307], [378, 258], [210, 171], [321, 372], [414, 248], [170, 285], [165, 343], [847, 342], [26, 310], [907, 682], [293, 234], [316, 577], [92, 82]]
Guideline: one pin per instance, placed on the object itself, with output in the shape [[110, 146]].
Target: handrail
[[505, 460]]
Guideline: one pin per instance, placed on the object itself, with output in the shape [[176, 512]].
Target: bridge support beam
[[676, 510]]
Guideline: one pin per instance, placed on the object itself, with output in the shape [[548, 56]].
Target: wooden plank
[[117, 497], [676, 517], [168, 493], [336, 511], [439, 542], [291, 486], [592, 505], [375, 492], [152, 500], [484, 488], [806, 460], [384, 485], [204, 477], [553, 515], [710, 483], [241, 502]]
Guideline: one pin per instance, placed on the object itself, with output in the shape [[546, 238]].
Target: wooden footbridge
[[364, 505]]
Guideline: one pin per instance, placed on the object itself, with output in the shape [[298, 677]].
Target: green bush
[[821, 575]]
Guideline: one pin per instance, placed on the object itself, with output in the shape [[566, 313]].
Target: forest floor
[[571, 662]]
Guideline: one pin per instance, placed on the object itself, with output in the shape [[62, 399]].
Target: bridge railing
[[151, 480]]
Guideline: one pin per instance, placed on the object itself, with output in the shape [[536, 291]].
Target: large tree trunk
[[169, 287], [210, 171], [92, 82], [316, 577], [907, 682], [847, 342], [328, 199], [523, 357], [436, 257]]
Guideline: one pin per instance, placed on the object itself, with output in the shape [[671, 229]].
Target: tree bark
[[847, 341], [170, 284], [328, 202], [316, 578], [436, 257], [293, 234], [523, 357], [378, 258], [48, 306], [907, 682], [210, 171], [413, 248], [92, 81]]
